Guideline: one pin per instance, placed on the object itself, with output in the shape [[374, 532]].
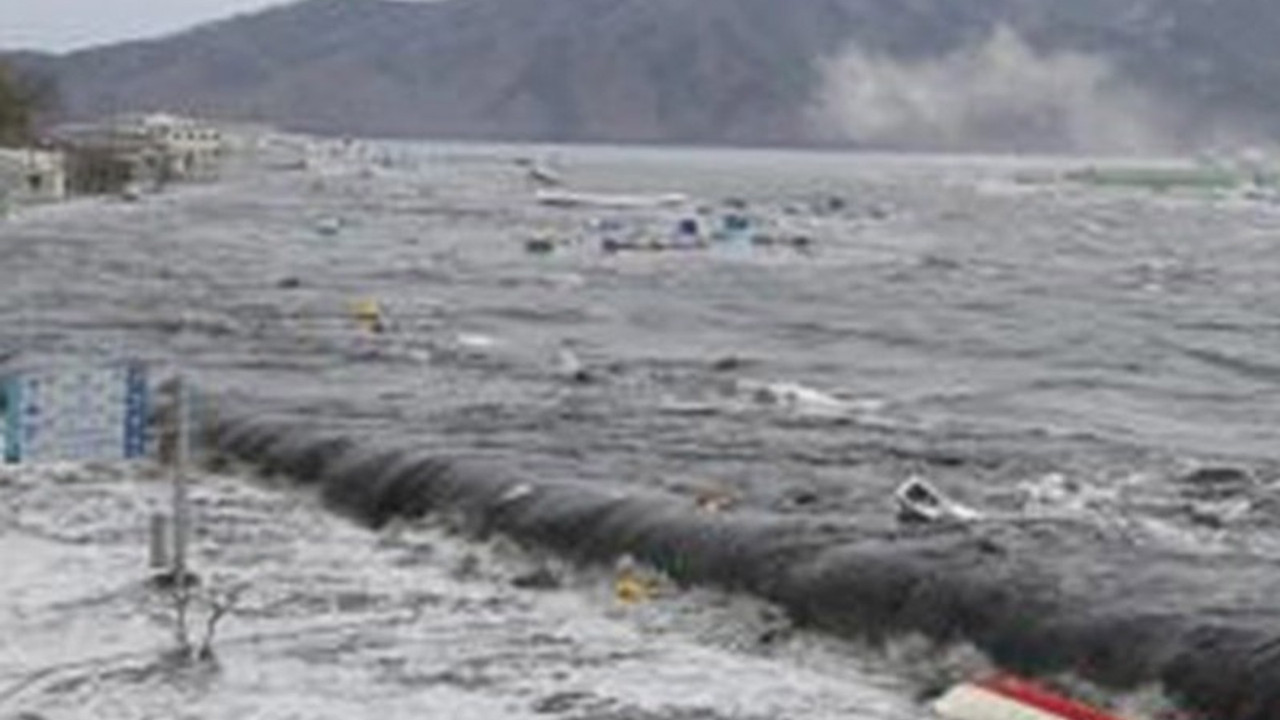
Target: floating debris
[[571, 367], [329, 226], [369, 315], [1005, 697], [920, 502], [734, 227], [729, 363], [880, 211], [567, 199], [540, 245], [688, 408], [633, 585], [541, 578], [797, 241], [1217, 480], [543, 176], [801, 497], [475, 341], [796, 398], [687, 234], [713, 500]]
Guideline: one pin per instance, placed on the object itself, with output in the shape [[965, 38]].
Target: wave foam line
[[1036, 599]]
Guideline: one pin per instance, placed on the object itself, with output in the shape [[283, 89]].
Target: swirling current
[[1091, 370]]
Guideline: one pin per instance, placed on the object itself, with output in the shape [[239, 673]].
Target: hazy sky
[[71, 24]]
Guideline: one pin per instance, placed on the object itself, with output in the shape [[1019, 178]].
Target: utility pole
[[181, 500]]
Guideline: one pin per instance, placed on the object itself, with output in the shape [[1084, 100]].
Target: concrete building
[[103, 159], [139, 151], [29, 176], [192, 149]]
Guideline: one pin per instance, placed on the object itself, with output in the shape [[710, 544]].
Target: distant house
[[139, 151], [192, 149], [32, 176], [106, 159]]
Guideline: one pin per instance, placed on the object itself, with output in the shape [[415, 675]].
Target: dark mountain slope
[[722, 71]]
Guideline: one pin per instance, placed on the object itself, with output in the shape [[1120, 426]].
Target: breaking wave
[[1037, 596]]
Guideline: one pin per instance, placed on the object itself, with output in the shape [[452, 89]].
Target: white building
[[193, 149], [141, 151], [32, 176]]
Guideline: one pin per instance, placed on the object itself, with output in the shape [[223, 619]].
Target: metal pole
[[181, 503], [159, 542]]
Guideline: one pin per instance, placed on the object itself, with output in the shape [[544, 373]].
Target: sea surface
[[1103, 357]]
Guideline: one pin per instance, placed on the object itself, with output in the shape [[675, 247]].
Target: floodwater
[[330, 621], [1061, 354]]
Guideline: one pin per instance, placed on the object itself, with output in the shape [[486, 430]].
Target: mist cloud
[[997, 95]]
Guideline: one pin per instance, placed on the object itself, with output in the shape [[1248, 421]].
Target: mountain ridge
[[749, 72]]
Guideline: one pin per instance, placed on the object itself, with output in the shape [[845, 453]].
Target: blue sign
[[95, 413]]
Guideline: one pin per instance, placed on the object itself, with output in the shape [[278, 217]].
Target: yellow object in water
[[368, 312], [631, 588]]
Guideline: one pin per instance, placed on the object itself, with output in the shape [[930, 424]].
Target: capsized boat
[[1008, 697]]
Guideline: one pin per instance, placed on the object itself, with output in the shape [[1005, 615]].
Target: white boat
[[544, 176], [329, 226], [569, 199], [1006, 697], [920, 501]]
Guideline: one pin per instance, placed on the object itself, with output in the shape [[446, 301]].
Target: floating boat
[[540, 175], [1007, 697], [921, 502], [329, 226], [1160, 178], [567, 199]]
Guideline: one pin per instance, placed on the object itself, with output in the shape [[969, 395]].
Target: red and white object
[[1005, 697]]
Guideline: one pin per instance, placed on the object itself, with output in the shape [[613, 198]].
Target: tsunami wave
[[1040, 597]]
